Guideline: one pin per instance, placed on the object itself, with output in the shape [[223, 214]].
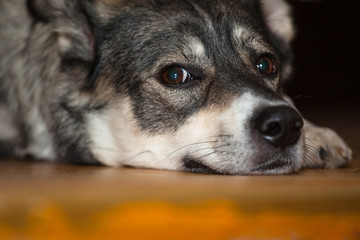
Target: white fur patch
[[116, 141], [239, 33], [65, 43], [195, 48]]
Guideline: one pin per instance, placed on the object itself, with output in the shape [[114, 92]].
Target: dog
[[193, 86]]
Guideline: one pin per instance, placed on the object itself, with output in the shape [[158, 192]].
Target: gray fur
[[65, 64]]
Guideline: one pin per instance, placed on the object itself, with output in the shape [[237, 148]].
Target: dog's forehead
[[158, 4], [218, 38], [195, 29], [212, 12]]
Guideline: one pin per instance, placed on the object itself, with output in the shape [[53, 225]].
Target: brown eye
[[176, 75], [266, 65]]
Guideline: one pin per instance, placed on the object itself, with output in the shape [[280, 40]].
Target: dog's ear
[[70, 21], [43, 10], [277, 14]]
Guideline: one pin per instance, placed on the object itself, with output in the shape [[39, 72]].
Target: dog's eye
[[176, 75], [266, 65]]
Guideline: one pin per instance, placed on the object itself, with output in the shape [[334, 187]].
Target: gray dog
[[191, 85]]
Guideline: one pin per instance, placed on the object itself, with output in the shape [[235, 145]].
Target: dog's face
[[197, 88], [194, 86]]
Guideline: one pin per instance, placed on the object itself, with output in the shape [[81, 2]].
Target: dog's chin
[[283, 163], [275, 167], [271, 167], [265, 162]]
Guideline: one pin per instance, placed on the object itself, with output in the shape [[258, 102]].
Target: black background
[[327, 55]]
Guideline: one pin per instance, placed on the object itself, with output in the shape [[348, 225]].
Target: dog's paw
[[324, 148]]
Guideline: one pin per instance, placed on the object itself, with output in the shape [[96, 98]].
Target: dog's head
[[188, 85]]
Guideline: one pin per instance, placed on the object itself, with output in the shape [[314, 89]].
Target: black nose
[[281, 125]]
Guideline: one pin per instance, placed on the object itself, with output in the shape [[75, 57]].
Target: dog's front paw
[[324, 148]]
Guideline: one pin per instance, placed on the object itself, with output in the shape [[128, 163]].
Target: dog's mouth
[[193, 166], [272, 166], [278, 166]]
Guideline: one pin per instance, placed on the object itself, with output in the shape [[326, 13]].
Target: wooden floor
[[41, 200]]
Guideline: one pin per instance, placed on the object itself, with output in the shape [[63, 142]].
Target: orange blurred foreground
[[159, 220]]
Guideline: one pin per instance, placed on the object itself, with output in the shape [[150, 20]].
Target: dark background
[[327, 55]]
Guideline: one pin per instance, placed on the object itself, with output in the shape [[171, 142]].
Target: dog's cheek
[[215, 137], [116, 138]]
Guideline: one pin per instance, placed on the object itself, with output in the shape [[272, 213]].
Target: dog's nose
[[280, 125]]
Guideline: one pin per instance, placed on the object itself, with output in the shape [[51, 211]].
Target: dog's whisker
[[197, 143], [310, 147], [216, 136], [188, 146], [310, 154], [307, 160], [207, 154], [199, 150], [313, 141], [215, 153], [126, 160], [202, 149]]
